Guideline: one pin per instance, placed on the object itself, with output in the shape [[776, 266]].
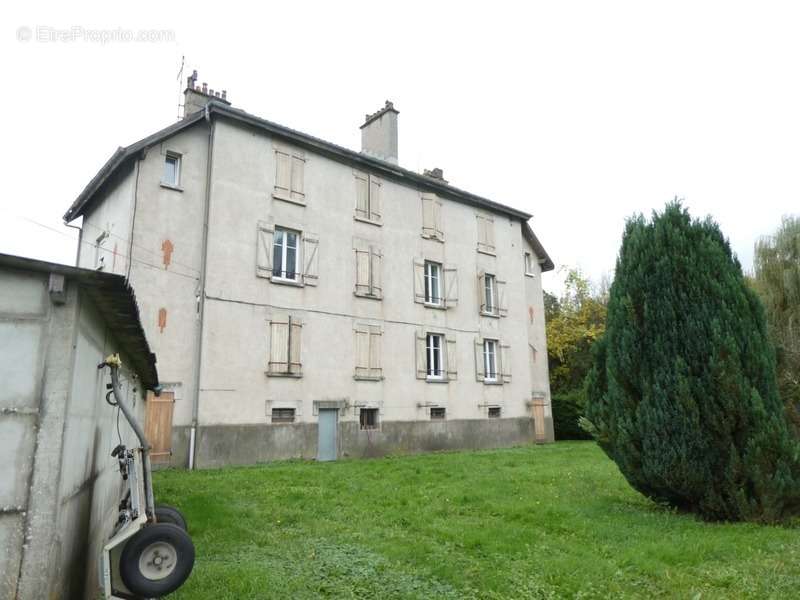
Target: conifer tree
[[682, 394]]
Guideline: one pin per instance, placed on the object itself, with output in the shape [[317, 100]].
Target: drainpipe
[[201, 294]]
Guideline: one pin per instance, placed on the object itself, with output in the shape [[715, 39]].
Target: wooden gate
[[539, 433], [158, 425]]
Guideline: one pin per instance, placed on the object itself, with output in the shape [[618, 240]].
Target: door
[[538, 421], [158, 425], [328, 427]]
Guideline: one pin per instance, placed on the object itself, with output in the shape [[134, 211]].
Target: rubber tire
[[129, 570], [170, 514]]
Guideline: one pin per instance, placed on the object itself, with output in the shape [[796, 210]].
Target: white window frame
[[430, 352], [298, 262], [490, 361], [490, 290], [177, 158], [432, 268], [529, 265]]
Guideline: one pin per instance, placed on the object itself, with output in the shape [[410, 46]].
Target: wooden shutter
[[278, 347], [437, 220], [362, 272], [264, 233], [451, 358], [310, 259], [375, 335], [158, 425], [482, 291], [500, 286], [298, 179], [421, 354], [295, 330], [283, 174], [489, 226], [375, 187], [362, 351], [480, 370], [419, 281], [376, 283], [450, 286], [505, 362], [362, 196]]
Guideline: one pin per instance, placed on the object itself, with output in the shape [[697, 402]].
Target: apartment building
[[308, 300]]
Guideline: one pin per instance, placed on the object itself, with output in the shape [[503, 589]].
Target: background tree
[[777, 281], [682, 394], [574, 322]]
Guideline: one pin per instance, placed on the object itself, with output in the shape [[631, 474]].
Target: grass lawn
[[536, 522]]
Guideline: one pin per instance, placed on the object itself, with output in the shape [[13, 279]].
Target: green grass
[[536, 522]]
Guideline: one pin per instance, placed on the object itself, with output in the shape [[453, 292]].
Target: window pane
[[277, 254], [291, 257], [489, 285], [434, 355], [171, 170], [490, 359]]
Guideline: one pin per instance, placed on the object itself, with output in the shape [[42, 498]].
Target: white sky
[[580, 113]]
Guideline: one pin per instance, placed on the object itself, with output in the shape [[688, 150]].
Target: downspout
[[201, 294]]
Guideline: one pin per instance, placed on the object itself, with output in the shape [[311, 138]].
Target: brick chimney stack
[[196, 97], [379, 134]]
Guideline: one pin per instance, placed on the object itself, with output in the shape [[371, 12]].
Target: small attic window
[[172, 170]]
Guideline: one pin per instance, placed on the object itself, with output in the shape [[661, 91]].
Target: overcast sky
[[580, 113]]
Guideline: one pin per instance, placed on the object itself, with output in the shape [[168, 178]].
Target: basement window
[[494, 412], [283, 415], [172, 170], [368, 418], [437, 413]]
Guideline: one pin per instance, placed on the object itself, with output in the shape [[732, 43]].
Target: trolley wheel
[[157, 560], [170, 514]]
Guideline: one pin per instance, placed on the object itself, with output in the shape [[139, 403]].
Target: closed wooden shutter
[[502, 308], [279, 347], [310, 259], [362, 196], [158, 425], [432, 218], [505, 362], [450, 286], [264, 233], [298, 179], [485, 234], [419, 280], [375, 267], [375, 187], [451, 358], [295, 329], [362, 272], [375, 369], [480, 369], [283, 174], [362, 351], [421, 354]]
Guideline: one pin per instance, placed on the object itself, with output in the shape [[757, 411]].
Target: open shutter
[[451, 358], [298, 179], [375, 352], [501, 297], [362, 272], [375, 187], [362, 351], [295, 330], [264, 250], [362, 196], [419, 281], [480, 370], [375, 281], [278, 347], [310, 259], [482, 291], [283, 174], [420, 353], [505, 362], [451, 286]]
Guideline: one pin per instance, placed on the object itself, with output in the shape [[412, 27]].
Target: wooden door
[[158, 425], [538, 421]]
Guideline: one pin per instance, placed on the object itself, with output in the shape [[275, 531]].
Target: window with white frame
[[368, 271], [172, 170], [433, 283], [284, 347], [529, 265], [285, 254], [435, 362], [368, 198], [289, 176], [490, 293], [490, 360], [436, 356], [368, 352]]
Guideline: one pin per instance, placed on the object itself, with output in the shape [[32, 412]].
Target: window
[[283, 415], [432, 218], [368, 352], [490, 360], [492, 295], [172, 170], [284, 264], [368, 418], [279, 258], [368, 272], [368, 198], [437, 413], [433, 348], [433, 283], [529, 265], [486, 234], [284, 348], [494, 412], [100, 251], [289, 176]]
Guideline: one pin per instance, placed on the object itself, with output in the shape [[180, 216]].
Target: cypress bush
[[682, 394]]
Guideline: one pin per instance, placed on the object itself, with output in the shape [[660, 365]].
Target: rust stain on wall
[[162, 319], [167, 249]]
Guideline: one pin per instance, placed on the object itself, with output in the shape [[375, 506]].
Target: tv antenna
[[180, 81]]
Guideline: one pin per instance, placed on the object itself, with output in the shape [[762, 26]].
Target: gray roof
[[116, 302], [84, 200]]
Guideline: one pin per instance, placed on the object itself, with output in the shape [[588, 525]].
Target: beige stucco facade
[[207, 301]]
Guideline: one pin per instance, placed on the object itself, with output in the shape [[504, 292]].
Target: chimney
[[196, 97], [435, 173], [379, 134]]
